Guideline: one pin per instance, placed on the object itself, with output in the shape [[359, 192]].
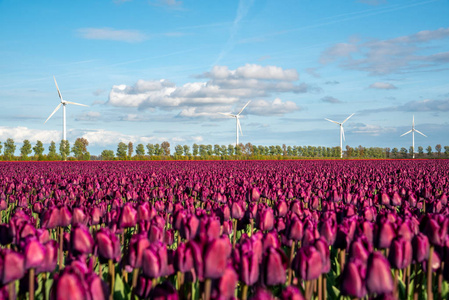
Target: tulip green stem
[[245, 292], [112, 278], [290, 271], [429, 273], [235, 233], [11, 290], [342, 259], [134, 282], [31, 284], [207, 288], [440, 280], [61, 239], [416, 282], [44, 285], [395, 285], [251, 228], [324, 286], [407, 281], [320, 287]]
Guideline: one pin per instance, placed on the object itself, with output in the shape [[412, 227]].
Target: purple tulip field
[[225, 230]]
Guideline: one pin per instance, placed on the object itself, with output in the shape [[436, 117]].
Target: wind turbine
[[238, 127], [413, 135], [63, 103], [342, 133]]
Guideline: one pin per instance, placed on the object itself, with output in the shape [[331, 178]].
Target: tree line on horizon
[[126, 151]]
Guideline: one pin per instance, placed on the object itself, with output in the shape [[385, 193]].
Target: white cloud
[[441, 105], [382, 86], [221, 92], [370, 129], [130, 36], [89, 116], [253, 71], [20, 133], [273, 108], [397, 55], [337, 51]]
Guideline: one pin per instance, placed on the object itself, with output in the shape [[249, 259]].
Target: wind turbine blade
[[347, 118], [59, 93], [74, 103], [244, 107], [332, 121], [56, 109], [413, 121], [240, 127], [227, 114], [343, 133], [406, 132], [420, 132]]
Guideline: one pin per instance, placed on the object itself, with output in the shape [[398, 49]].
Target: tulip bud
[[34, 253], [79, 216], [68, 285], [400, 255], [216, 254], [97, 288], [155, 233], [81, 240], [95, 216], [308, 263], [384, 234], [65, 217], [143, 287], [266, 219], [432, 229], [254, 195], [128, 216], [50, 218], [274, 266], [328, 228], [183, 261], [281, 208], [292, 293], [295, 229], [323, 248], [189, 228], [353, 279], [227, 284], [50, 258], [108, 245], [248, 267], [378, 275], [137, 245], [237, 211], [12, 266], [360, 249], [421, 246]]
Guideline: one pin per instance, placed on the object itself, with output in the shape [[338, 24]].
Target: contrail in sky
[[242, 11]]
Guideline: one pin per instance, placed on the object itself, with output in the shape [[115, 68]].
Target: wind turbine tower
[[413, 135], [342, 133], [237, 122], [63, 103]]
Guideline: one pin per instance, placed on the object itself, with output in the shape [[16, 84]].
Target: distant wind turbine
[[237, 117], [413, 135], [342, 133], [63, 103]]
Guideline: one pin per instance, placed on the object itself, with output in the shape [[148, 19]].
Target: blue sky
[[159, 70]]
